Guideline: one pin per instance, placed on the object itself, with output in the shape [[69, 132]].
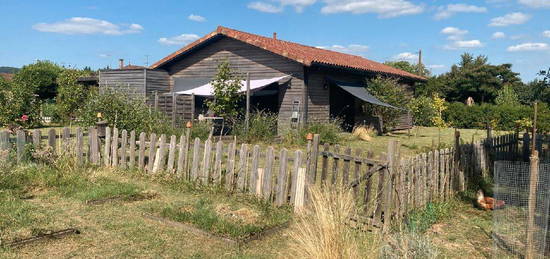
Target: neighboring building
[[7, 76], [319, 84]]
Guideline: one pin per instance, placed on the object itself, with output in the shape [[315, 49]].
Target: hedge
[[501, 117]]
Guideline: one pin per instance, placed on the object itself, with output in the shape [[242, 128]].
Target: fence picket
[[280, 196], [230, 169], [123, 144], [241, 169], [217, 173], [196, 159], [299, 200], [205, 175], [79, 146], [335, 162], [94, 146], [324, 168], [357, 172], [171, 154], [346, 167], [141, 153], [294, 175], [267, 183], [132, 155], [114, 148], [4, 140], [36, 138], [152, 152], [107, 147], [255, 167], [20, 144], [160, 155], [66, 137], [52, 135], [182, 156]]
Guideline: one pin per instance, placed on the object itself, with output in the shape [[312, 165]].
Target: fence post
[[79, 144], [533, 182], [20, 143], [4, 140], [36, 138], [107, 147], [526, 146], [171, 154], [280, 196]]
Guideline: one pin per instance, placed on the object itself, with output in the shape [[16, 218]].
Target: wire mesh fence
[[512, 184]]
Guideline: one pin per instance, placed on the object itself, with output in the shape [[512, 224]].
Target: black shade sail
[[361, 92]]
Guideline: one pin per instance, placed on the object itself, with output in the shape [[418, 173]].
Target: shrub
[[125, 112], [329, 132], [262, 127], [390, 91], [71, 95], [50, 109], [501, 117], [423, 110]]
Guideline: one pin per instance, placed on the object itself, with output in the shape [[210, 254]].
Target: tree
[[409, 67], [71, 95], [507, 96], [39, 78], [475, 77], [388, 90], [226, 85]]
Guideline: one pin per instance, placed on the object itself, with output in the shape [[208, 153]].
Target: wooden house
[[319, 84]]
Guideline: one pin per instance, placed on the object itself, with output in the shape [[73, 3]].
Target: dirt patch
[[145, 195], [43, 236], [244, 215]]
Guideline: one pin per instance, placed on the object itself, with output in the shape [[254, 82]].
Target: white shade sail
[[255, 85]]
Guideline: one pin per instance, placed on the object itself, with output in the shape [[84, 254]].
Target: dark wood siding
[[245, 58], [130, 81], [135, 81], [157, 80]]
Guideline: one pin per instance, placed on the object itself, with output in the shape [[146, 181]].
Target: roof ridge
[[298, 52]]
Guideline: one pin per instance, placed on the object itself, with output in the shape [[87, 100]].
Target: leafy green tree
[[475, 77], [390, 91], [226, 85], [71, 95], [410, 67], [507, 96], [434, 85], [39, 78]]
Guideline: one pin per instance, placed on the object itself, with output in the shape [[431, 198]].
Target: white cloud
[[103, 55], [183, 39], [406, 56], [498, 35], [444, 12], [464, 44], [196, 18], [265, 7], [435, 66], [546, 34], [355, 49], [298, 5], [84, 25], [510, 19], [529, 47], [384, 8], [454, 33], [535, 3]]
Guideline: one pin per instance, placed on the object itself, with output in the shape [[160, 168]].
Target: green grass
[[421, 220], [203, 214]]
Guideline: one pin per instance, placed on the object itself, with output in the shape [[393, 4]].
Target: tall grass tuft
[[323, 230]]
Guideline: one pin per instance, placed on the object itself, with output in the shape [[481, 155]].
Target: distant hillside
[[8, 70]]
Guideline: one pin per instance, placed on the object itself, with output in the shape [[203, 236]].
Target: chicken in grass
[[488, 203]]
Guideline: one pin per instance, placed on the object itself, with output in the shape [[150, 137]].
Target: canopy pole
[[247, 114]]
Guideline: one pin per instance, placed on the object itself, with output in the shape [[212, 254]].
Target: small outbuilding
[[299, 83]]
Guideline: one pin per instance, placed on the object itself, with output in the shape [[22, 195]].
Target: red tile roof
[[7, 76], [132, 67], [306, 55]]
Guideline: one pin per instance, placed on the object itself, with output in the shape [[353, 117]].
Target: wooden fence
[[387, 187]]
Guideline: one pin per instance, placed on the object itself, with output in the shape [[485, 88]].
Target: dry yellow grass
[[323, 230], [364, 133]]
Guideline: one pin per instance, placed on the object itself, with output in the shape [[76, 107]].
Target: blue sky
[[97, 33]]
